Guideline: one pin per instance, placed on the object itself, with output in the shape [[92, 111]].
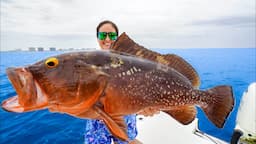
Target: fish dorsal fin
[[127, 45], [183, 114], [181, 66]]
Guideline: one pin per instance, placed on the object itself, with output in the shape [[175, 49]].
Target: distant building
[[31, 49], [40, 49], [52, 49], [71, 49]]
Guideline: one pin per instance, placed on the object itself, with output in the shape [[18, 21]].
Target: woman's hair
[[106, 22]]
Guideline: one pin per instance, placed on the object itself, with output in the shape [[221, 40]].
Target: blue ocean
[[235, 67]]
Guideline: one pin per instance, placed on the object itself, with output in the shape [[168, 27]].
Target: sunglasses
[[103, 35]]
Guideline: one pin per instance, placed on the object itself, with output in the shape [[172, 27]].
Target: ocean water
[[235, 67]]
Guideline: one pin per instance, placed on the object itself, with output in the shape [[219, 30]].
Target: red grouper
[[108, 85]]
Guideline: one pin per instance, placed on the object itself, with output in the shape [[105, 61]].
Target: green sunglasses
[[103, 35]]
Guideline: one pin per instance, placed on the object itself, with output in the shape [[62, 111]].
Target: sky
[[151, 23]]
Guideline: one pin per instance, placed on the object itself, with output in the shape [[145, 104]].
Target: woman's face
[[106, 43]]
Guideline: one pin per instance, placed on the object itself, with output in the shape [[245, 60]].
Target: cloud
[[232, 20], [151, 22]]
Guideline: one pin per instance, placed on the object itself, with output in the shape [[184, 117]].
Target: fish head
[[26, 89], [64, 81]]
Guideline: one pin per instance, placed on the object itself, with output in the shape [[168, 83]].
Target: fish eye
[[52, 62]]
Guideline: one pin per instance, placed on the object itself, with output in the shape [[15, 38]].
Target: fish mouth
[[29, 96]]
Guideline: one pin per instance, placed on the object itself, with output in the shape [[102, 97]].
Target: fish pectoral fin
[[183, 114], [90, 113], [116, 125], [120, 122]]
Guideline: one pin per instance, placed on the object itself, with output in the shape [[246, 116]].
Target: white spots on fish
[[129, 86], [144, 98], [132, 78], [131, 71], [161, 96], [178, 84], [156, 102], [128, 72], [166, 102], [93, 67], [142, 91], [136, 69], [162, 67], [139, 101], [177, 96], [135, 102], [153, 92], [147, 76], [205, 98], [193, 95], [157, 85]]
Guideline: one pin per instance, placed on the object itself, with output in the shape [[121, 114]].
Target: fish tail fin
[[223, 102]]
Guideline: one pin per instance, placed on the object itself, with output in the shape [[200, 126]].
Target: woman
[[96, 132]]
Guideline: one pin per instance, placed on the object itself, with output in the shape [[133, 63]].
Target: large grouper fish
[[108, 85]]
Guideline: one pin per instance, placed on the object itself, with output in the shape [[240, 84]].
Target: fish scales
[[149, 82]]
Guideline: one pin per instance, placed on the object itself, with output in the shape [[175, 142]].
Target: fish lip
[[27, 89], [12, 105]]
